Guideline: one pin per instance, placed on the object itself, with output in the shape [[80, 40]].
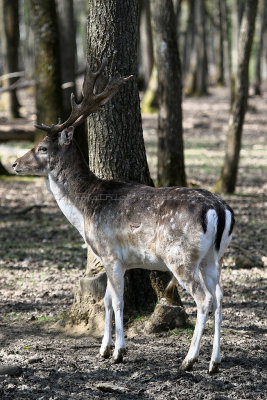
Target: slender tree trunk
[[220, 75], [171, 170], [67, 40], [145, 43], [196, 82], [226, 41], [48, 94], [10, 43], [237, 14], [150, 100], [27, 42], [67, 33], [262, 28], [227, 181], [189, 38]]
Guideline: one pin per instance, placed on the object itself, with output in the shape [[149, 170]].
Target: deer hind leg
[[105, 349], [115, 293], [189, 278], [210, 270]]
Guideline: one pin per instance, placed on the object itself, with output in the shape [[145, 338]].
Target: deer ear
[[66, 136]]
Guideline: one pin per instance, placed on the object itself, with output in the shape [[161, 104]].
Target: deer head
[[96, 91]]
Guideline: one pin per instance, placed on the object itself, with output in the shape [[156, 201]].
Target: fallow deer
[[129, 225]]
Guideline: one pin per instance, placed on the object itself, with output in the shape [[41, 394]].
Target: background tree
[[67, 34], [67, 41], [48, 93], [220, 75], [262, 29], [10, 43], [196, 80], [171, 170], [227, 181], [146, 57], [226, 41]]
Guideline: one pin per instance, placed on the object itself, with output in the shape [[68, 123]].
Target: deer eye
[[42, 149]]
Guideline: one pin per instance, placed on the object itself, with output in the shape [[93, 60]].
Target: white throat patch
[[73, 215]]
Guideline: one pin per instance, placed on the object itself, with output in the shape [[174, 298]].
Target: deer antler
[[91, 100]]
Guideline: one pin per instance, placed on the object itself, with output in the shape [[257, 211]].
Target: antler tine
[[111, 88], [91, 101], [43, 127], [91, 77]]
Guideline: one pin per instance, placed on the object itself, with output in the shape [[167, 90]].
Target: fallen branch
[[16, 135], [19, 84]]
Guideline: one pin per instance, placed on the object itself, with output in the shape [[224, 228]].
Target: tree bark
[[262, 28], [171, 170], [227, 181], [10, 43], [48, 95], [116, 144]]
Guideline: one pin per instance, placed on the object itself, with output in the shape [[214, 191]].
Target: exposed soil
[[42, 259]]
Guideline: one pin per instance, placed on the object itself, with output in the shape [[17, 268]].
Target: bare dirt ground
[[42, 259]]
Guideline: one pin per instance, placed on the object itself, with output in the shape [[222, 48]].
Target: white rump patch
[[208, 238], [226, 239]]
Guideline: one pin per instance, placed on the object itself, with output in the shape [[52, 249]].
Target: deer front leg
[[105, 349], [116, 289]]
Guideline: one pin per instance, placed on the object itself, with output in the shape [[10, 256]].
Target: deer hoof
[[187, 365], [213, 367], [105, 352], [118, 355]]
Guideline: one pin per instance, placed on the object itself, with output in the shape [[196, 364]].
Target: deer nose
[[14, 165]]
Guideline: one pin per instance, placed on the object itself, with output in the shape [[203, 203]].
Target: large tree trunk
[[116, 151], [227, 181], [10, 43], [116, 148], [262, 28], [48, 93], [196, 81], [171, 170]]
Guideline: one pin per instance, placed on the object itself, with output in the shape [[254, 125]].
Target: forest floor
[[42, 259]]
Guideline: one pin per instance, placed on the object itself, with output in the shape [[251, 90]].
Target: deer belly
[[142, 258]]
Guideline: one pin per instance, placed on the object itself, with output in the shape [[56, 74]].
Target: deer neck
[[71, 182]]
